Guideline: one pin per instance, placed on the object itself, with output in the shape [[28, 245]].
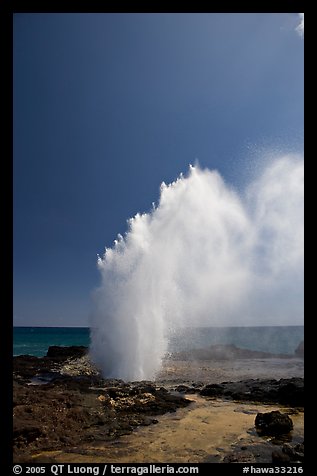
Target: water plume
[[205, 255]]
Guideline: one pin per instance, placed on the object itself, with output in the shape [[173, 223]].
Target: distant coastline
[[35, 340]]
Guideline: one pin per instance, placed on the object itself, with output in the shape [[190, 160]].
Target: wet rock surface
[[285, 391], [262, 453], [240, 457], [62, 403], [289, 453], [224, 352], [72, 408]]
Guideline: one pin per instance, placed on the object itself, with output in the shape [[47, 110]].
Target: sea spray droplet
[[204, 256]]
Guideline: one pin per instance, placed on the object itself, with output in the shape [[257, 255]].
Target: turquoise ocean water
[[277, 339], [36, 340]]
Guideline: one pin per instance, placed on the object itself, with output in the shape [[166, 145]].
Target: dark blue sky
[[107, 106]]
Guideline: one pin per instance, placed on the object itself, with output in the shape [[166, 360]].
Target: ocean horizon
[[35, 340]]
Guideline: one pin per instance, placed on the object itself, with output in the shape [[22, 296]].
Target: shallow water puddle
[[204, 431]]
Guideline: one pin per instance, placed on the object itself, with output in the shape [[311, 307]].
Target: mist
[[205, 255]]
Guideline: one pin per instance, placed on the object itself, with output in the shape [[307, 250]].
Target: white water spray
[[204, 256]]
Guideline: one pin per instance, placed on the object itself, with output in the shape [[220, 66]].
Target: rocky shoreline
[[61, 401]]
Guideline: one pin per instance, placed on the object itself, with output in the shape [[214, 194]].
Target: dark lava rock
[[63, 352], [273, 423], [213, 390], [181, 388], [27, 367], [240, 457], [72, 410], [284, 391], [295, 453], [185, 389], [289, 454], [279, 457]]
